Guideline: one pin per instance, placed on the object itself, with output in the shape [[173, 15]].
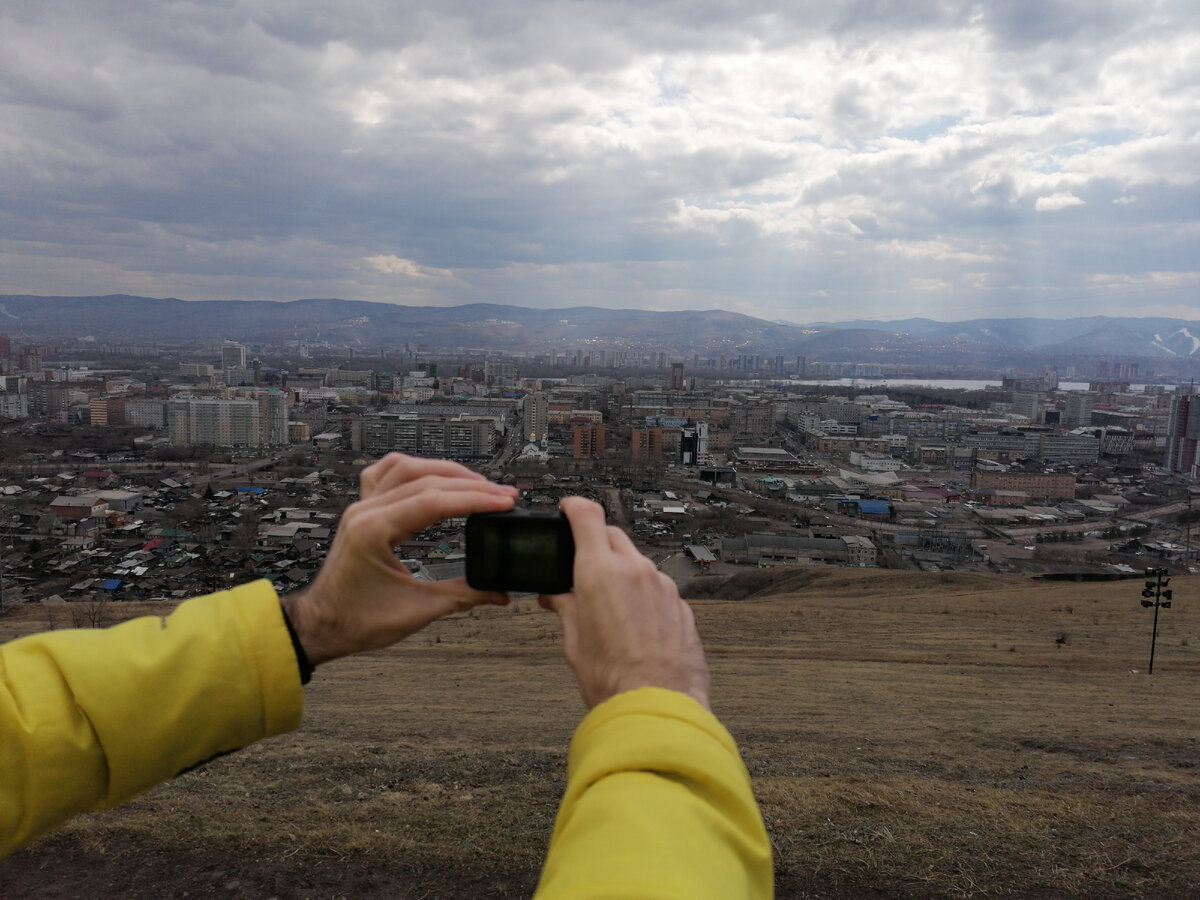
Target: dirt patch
[[908, 735]]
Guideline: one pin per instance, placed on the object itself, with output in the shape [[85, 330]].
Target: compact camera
[[521, 550]]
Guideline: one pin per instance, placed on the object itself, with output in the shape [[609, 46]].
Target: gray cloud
[[824, 160]]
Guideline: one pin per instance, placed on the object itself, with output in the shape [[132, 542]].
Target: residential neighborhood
[[171, 476]]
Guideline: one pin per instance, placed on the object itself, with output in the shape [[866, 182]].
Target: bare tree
[[246, 536], [91, 613]]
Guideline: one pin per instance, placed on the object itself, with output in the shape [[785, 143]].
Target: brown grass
[[909, 735]]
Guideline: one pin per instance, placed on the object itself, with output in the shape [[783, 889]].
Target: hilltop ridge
[[978, 342]]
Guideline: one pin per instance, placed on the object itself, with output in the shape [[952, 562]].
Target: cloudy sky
[[808, 161]]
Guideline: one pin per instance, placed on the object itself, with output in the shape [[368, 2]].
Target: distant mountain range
[[1091, 335], [123, 319]]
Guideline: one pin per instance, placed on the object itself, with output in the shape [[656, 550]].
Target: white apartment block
[[146, 413], [259, 419], [14, 406], [195, 370]]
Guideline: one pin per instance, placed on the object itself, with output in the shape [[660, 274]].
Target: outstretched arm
[[89, 719], [658, 803]]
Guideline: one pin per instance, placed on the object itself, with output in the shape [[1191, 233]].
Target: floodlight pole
[[1187, 530], [1161, 597]]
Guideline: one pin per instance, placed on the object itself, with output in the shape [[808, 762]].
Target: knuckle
[[351, 517]]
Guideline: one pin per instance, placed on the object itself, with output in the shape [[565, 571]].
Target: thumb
[[562, 604], [567, 608], [455, 595]]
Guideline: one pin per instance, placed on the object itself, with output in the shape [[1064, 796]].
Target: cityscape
[[138, 473], [873, 329]]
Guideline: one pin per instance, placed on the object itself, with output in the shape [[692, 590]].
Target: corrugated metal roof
[[874, 507]]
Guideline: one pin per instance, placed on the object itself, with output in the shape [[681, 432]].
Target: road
[[1157, 512]]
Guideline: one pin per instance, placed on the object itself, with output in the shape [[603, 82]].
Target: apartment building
[[1183, 435], [651, 443], [1042, 487], [103, 411], [588, 441], [14, 406], [536, 417], [1078, 411], [756, 419], [997, 445], [145, 413], [1069, 447], [259, 418], [499, 373], [460, 437]]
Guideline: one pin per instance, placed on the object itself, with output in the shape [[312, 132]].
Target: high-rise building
[[145, 413], [499, 372], [14, 406], [105, 411], [693, 444], [274, 405], [757, 419], [259, 418], [588, 441], [1183, 435], [233, 355], [1079, 409], [46, 399], [1028, 403], [677, 376], [537, 417], [646, 443]]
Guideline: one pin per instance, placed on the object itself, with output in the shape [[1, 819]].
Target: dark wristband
[[306, 667]]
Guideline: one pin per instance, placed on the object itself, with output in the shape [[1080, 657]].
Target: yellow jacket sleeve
[[91, 718], [658, 805]]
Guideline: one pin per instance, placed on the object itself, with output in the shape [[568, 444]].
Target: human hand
[[624, 624], [364, 598]]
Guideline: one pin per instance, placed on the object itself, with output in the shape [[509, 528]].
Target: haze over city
[[823, 163]]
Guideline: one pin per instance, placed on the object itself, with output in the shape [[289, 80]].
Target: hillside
[[909, 735], [119, 320]]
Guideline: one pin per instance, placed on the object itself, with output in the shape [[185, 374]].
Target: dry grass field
[[909, 736]]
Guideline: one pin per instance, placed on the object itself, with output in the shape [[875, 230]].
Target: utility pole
[[1187, 530], [1155, 594]]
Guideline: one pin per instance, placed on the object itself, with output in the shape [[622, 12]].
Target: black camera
[[521, 550]]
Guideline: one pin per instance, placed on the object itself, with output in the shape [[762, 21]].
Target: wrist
[[301, 615], [694, 684], [302, 661]]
